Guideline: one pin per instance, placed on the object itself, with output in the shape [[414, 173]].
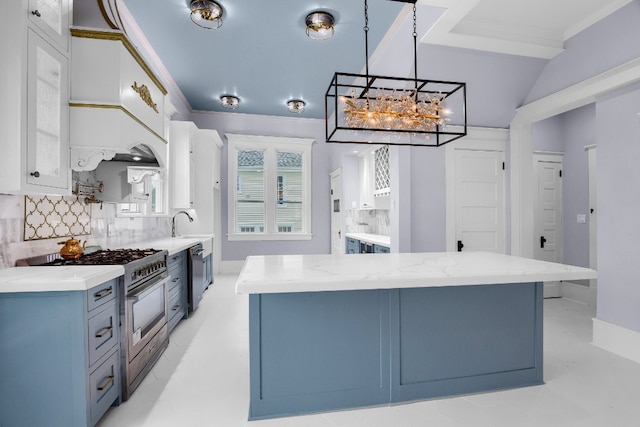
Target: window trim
[[270, 145]]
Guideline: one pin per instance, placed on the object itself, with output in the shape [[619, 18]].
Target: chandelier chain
[[415, 27], [415, 50], [366, 37]]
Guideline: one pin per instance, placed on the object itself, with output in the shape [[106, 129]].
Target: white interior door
[[548, 214], [593, 213], [479, 200], [337, 240]]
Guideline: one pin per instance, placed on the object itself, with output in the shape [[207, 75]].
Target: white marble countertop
[[177, 244], [315, 273], [376, 239], [82, 277], [59, 278]]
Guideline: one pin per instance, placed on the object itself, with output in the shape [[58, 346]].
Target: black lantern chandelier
[[373, 109]]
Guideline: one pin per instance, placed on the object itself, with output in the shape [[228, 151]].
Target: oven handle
[[145, 290]]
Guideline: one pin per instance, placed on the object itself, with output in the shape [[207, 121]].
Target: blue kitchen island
[[329, 332]]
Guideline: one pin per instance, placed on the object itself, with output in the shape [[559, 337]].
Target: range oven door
[[146, 313]]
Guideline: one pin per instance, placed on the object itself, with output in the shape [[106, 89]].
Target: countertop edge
[[376, 239], [56, 278], [264, 274]]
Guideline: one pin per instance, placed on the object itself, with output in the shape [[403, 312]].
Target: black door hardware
[[460, 246], [542, 241]]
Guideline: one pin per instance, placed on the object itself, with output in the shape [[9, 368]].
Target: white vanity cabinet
[[34, 108]]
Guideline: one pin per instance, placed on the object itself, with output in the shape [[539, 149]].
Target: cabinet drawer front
[[103, 333], [176, 279], [177, 307], [176, 302], [176, 259], [104, 384], [102, 294], [379, 249]]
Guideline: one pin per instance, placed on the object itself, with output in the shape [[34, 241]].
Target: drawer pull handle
[[103, 293], [107, 383], [175, 307], [177, 279], [36, 13], [104, 332]]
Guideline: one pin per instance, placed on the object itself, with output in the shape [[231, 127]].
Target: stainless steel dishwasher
[[197, 276]]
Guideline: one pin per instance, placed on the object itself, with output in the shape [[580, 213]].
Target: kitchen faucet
[[173, 221]]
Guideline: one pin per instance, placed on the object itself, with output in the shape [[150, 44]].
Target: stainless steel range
[[143, 306]]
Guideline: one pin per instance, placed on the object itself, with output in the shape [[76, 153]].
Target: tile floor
[[202, 380]]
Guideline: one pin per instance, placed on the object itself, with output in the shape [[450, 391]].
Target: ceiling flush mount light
[[296, 105], [206, 14], [319, 25], [394, 110], [229, 101]]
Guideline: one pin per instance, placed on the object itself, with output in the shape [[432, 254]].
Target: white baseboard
[[230, 267], [552, 290], [616, 339], [573, 291], [576, 292]]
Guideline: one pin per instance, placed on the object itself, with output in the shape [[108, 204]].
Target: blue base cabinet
[[322, 351], [177, 292], [379, 249], [59, 357], [353, 245]]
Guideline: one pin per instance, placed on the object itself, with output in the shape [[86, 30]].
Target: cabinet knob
[[36, 13], [35, 174]]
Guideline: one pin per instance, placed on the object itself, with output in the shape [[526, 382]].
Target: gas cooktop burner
[[107, 257]]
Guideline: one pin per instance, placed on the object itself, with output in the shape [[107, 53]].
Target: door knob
[[542, 241]]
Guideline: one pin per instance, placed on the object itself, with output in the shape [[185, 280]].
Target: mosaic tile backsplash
[[107, 230], [370, 221], [46, 217]]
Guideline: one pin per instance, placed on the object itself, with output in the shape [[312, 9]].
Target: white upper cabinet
[[52, 18], [375, 179], [182, 137], [367, 181], [381, 178], [194, 167], [47, 115], [34, 107]]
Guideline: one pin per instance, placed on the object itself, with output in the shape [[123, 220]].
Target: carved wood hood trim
[[121, 108], [118, 36]]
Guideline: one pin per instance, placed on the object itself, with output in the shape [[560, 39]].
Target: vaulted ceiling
[[262, 55]]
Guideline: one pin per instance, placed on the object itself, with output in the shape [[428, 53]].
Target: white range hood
[[116, 100]]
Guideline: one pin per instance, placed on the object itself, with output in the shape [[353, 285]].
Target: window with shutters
[[269, 188]]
